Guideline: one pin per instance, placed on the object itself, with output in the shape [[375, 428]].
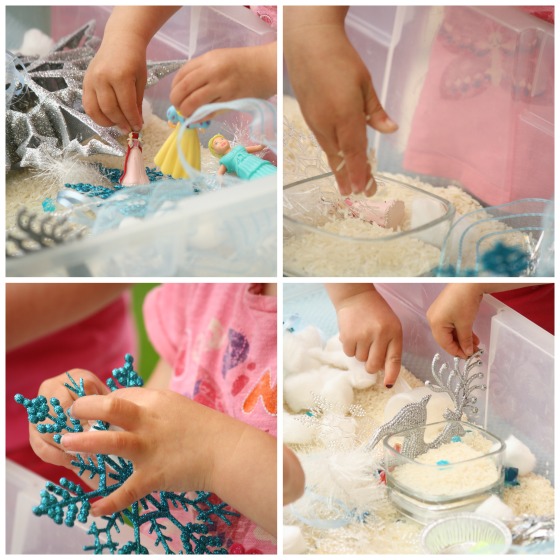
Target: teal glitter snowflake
[[67, 502]]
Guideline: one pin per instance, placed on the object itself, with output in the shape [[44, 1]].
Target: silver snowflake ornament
[[45, 116]]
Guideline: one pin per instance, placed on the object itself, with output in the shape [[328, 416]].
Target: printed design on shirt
[[212, 338], [236, 351], [265, 391], [206, 391]]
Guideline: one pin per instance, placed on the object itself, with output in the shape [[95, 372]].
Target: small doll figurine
[[167, 159], [240, 160], [134, 172]]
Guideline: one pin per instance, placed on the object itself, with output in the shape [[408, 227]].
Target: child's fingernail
[[68, 441], [389, 385]]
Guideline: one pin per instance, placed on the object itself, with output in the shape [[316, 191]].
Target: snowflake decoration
[[35, 233], [67, 502], [45, 114]]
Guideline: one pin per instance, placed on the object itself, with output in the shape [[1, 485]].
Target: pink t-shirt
[[220, 340]]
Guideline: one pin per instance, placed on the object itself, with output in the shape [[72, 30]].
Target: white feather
[[297, 431]]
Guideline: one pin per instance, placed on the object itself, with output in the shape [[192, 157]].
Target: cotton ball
[[208, 237], [494, 507], [437, 405], [358, 376], [296, 431], [333, 344], [35, 43], [424, 211], [519, 456], [334, 355], [293, 542], [338, 392], [299, 390], [297, 358]]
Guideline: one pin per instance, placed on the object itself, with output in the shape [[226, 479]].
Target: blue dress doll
[[240, 160]]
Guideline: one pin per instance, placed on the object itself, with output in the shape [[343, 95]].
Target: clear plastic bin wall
[[472, 89], [518, 360], [192, 31]]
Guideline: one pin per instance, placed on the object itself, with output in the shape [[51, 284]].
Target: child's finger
[[109, 408], [92, 384], [94, 442], [49, 452], [465, 338], [444, 336], [199, 98], [131, 491], [376, 116], [127, 101], [376, 358], [91, 107], [352, 140], [109, 106], [393, 361]]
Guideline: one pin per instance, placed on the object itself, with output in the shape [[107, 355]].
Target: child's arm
[[294, 477], [116, 77], [179, 445], [334, 90], [225, 74], [222, 170], [35, 310], [453, 313], [369, 329]]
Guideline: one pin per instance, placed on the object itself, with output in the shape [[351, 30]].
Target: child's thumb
[[376, 116]]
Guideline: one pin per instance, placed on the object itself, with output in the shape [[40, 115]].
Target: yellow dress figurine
[[167, 159]]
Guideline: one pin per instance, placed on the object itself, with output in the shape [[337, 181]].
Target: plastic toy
[[134, 172], [239, 159], [167, 159]]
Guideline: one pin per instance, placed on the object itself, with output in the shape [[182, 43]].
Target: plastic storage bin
[[321, 240], [518, 362], [230, 232], [28, 534], [494, 133], [192, 31], [495, 138]]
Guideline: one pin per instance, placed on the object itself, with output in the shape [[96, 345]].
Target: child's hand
[[369, 329], [223, 75], [335, 92], [178, 445], [43, 444], [451, 317], [114, 84]]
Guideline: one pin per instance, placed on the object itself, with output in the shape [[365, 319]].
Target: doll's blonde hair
[[211, 144]]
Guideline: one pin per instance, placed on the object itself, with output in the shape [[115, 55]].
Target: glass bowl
[[452, 477], [326, 234]]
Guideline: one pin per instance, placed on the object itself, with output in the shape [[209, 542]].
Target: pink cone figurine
[[387, 214], [134, 172]]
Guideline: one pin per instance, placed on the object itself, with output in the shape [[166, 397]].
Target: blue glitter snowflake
[[113, 175], [67, 502]]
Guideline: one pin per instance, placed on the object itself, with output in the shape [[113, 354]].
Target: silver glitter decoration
[[36, 233], [458, 384], [45, 115], [529, 530]]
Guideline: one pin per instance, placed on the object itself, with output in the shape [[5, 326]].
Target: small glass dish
[[450, 477], [466, 533], [326, 234]]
